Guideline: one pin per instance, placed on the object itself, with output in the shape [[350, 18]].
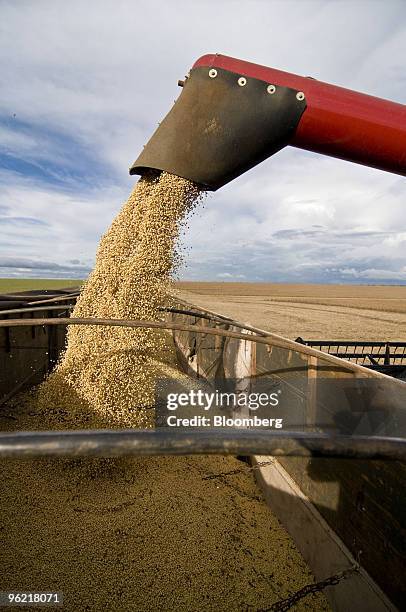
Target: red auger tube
[[337, 122]]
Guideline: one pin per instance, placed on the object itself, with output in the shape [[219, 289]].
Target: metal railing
[[249, 442]]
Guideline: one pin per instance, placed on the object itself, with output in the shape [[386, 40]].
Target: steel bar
[[59, 298], [35, 309], [270, 339], [118, 443], [373, 343], [214, 318], [363, 355], [31, 297]]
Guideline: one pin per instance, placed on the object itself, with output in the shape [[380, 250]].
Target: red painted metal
[[337, 122]]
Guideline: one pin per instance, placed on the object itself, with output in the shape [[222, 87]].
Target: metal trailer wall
[[361, 502], [28, 353], [354, 509]]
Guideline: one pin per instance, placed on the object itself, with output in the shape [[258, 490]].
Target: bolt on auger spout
[[232, 115]]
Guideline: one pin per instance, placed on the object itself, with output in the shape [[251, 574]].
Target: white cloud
[[101, 74], [71, 224]]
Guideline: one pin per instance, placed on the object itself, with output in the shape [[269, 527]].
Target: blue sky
[[85, 83]]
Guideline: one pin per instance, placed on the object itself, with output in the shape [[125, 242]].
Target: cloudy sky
[[84, 83]]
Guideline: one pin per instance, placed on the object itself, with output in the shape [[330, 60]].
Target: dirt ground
[[336, 312]]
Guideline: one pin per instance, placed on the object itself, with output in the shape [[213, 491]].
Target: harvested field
[[337, 312]]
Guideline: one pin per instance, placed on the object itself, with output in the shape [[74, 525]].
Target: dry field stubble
[[341, 312]]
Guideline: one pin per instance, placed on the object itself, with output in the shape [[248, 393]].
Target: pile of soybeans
[[111, 371], [146, 534]]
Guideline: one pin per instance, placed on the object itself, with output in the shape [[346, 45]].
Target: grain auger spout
[[232, 115]]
